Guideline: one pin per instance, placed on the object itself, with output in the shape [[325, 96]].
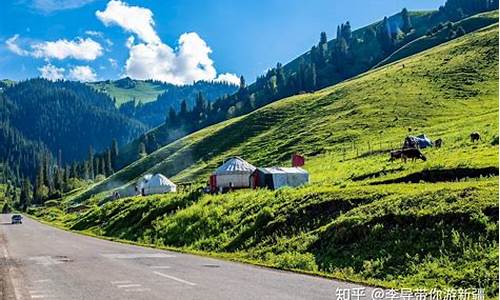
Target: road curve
[[42, 262]]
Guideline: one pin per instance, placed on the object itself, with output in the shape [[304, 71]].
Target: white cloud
[[81, 49], [12, 45], [94, 33], [150, 58], [228, 78], [133, 19], [49, 6], [51, 72], [82, 73]]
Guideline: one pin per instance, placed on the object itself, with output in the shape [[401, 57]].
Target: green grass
[[360, 218], [143, 91]]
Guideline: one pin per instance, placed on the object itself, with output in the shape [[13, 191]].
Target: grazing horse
[[475, 136], [438, 143]]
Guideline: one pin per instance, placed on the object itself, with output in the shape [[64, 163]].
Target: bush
[[293, 260], [6, 208]]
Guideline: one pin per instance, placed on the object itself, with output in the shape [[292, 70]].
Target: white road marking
[[121, 281], [36, 291], [138, 290], [136, 255], [121, 286], [40, 296], [160, 267], [174, 278], [42, 280]]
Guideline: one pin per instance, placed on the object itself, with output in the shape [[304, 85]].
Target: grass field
[[430, 224], [141, 92]]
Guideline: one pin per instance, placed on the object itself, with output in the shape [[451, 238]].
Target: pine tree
[[91, 163], [26, 194], [184, 109], [114, 154], [385, 36], [109, 165], [406, 27], [347, 32], [171, 118]]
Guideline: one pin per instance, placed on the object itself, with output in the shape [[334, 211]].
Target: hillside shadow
[[445, 175]]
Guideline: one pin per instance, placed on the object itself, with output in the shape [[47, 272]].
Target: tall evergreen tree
[[406, 27]]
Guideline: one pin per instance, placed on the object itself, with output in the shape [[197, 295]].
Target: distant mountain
[[154, 113], [68, 117]]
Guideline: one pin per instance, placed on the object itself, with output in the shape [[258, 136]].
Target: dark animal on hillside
[[412, 154], [438, 143], [475, 136], [396, 155]]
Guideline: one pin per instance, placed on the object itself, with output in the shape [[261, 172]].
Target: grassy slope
[[143, 91], [426, 42], [441, 232], [427, 94]]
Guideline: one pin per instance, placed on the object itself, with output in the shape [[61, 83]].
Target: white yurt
[[141, 182], [235, 172], [158, 184]]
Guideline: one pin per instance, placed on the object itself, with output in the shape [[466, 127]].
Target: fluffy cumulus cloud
[[82, 73], [81, 49], [51, 72], [150, 58], [133, 19]]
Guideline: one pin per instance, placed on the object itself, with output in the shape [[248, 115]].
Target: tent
[[235, 173], [423, 141], [275, 177], [156, 184]]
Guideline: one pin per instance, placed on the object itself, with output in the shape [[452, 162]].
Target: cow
[[475, 136], [412, 154], [395, 155], [438, 143]]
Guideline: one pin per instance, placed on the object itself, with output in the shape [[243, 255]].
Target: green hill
[[430, 224], [126, 89]]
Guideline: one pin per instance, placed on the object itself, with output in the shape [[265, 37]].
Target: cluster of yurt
[[155, 184], [236, 173]]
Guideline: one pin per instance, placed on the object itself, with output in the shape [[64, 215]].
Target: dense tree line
[[459, 9], [68, 117], [153, 113]]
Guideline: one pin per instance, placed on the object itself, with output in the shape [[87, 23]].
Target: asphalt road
[[42, 262]]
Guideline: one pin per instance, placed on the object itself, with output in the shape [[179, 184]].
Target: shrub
[[293, 260]]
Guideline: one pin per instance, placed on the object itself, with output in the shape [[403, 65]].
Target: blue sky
[[178, 41]]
